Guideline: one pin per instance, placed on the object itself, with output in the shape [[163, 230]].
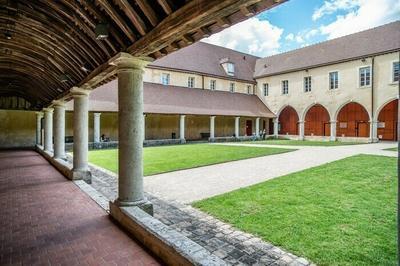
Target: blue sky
[[298, 23]]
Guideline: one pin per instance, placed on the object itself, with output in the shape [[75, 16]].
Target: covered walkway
[[46, 219]]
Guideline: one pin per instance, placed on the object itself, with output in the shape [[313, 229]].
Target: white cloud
[[289, 37], [331, 6], [254, 36], [299, 38], [371, 13]]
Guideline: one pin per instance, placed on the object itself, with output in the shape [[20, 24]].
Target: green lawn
[[341, 213], [171, 158], [303, 142]]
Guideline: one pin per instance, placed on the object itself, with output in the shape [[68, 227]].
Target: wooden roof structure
[[47, 47]]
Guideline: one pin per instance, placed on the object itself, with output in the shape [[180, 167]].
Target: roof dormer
[[228, 66]]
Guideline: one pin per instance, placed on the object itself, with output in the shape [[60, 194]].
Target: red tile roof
[[161, 99], [204, 58]]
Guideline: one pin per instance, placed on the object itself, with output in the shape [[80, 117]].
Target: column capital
[[58, 103], [333, 121], [96, 114], [48, 110], [39, 114], [79, 92], [182, 116], [301, 121], [125, 61], [237, 117], [212, 116]]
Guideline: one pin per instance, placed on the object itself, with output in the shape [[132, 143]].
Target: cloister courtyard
[[318, 207], [199, 132]]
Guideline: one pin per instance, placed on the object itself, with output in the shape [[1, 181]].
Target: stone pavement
[[190, 185], [46, 220], [231, 245]]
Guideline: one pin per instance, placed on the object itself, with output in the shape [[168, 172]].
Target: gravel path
[[190, 185]]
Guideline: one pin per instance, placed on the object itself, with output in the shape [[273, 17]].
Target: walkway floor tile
[[46, 219]]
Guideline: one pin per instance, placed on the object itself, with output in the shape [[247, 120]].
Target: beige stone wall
[[332, 100], [181, 79], [17, 129]]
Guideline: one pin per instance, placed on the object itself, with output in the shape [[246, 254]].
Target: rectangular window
[[285, 87], [231, 69], [365, 76], [191, 82], [213, 84], [333, 80], [265, 89], [396, 71], [249, 90], [165, 78], [232, 87], [307, 84]]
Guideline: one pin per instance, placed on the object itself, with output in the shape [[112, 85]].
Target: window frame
[[230, 72], [392, 72], [250, 89], [359, 76], [168, 75], [265, 87], [232, 87], [191, 82], [212, 84], [285, 92], [337, 79], [307, 84]]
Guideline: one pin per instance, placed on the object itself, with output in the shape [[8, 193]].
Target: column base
[[82, 175], [145, 205], [332, 139], [211, 139], [183, 141]]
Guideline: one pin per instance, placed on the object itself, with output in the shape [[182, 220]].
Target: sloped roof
[[204, 58], [378, 40], [161, 99]]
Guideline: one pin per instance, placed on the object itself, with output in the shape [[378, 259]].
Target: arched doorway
[[387, 121], [288, 121], [316, 122], [353, 121]]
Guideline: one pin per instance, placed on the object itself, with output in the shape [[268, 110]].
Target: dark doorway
[[249, 127]]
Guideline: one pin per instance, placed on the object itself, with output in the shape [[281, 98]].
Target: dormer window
[[229, 67]]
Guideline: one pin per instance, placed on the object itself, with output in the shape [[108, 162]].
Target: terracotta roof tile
[[205, 58], [161, 99]]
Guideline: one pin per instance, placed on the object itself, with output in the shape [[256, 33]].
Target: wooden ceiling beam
[[166, 6], [148, 11], [132, 15], [105, 4]]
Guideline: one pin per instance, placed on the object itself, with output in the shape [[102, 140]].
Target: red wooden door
[[362, 130]]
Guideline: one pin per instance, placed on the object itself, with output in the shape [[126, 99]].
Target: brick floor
[[46, 220]]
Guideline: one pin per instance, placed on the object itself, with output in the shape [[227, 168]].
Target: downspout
[[202, 82], [374, 125]]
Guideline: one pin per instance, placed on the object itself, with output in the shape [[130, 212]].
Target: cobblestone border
[[233, 246]]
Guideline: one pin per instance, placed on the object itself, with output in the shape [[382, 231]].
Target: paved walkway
[[199, 183], [46, 219]]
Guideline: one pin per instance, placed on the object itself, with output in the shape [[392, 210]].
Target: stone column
[[81, 134], [96, 127], [257, 127], [144, 127], [276, 127], [59, 129], [130, 131], [48, 129], [212, 128], [374, 131], [237, 123], [333, 131], [39, 116], [301, 130], [182, 128]]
